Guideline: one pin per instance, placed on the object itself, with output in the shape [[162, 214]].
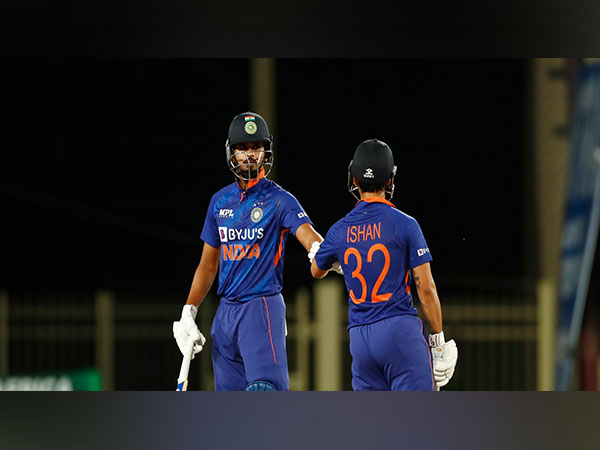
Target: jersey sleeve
[[416, 247], [210, 231], [327, 254], [291, 213]]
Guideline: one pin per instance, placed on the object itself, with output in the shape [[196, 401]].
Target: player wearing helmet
[[244, 234], [379, 248]]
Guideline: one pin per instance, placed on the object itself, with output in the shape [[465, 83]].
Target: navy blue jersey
[[251, 228], [377, 246]]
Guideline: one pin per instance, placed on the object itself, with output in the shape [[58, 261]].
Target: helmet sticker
[[368, 173], [250, 127], [256, 214]]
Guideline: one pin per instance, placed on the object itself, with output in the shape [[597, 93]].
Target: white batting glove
[[186, 328], [445, 356], [313, 250]]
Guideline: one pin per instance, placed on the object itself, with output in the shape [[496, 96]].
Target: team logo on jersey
[[250, 127], [422, 251], [368, 173], [256, 214], [226, 214]]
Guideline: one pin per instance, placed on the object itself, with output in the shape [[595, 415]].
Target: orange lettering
[[254, 252], [239, 252], [377, 230], [227, 252], [361, 231], [369, 233]]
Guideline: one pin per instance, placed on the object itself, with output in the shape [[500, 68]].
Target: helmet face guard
[[249, 127], [243, 170]]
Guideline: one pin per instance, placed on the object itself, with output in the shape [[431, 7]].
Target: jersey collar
[[375, 200], [252, 183]]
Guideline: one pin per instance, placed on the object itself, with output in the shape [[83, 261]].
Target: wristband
[[436, 340]]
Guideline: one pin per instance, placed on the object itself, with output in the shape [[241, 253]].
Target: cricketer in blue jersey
[[244, 234], [380, 248]]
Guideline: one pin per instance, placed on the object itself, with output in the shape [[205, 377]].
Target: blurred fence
[[127, 336]]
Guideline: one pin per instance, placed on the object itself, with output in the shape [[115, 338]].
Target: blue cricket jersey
[[251, 228], [377, 245]]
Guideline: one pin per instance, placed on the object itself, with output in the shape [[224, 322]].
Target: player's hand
[[313, 250], [444, 358], [186, 328], [337, 267]]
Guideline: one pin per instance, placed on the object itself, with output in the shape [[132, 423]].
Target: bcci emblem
[[250, 127], [256, 214]]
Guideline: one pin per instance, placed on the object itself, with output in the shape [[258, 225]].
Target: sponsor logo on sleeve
[[422, 251], [301, 215]]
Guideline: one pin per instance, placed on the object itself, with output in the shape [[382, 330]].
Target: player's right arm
[[430, 302], [186, 328], [205, 275], [444, 354]]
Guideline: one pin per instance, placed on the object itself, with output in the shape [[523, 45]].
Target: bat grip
[[185, 363]]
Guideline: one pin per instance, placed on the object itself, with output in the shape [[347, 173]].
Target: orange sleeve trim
[[280, 250]]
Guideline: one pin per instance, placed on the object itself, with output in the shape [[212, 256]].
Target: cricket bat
[[182, 381]]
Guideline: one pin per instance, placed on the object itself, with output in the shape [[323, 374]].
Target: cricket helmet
[[249, 127], [372, 164]]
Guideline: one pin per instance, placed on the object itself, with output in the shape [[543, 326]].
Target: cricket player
[[380, 248], [244, 236]]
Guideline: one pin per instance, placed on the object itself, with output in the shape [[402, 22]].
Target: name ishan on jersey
[[237, 252], [357, 233]]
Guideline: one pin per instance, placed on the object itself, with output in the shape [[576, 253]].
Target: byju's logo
[[368, 173], [240, 234], [226, 214], [422, 251]]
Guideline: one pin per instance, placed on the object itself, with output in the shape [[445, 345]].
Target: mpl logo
[[422, 251], [226, 214], [368, 173]]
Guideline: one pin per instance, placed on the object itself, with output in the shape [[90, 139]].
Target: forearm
[[431, 308], [201, 284]]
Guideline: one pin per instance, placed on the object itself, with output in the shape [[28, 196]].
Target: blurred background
[[108, 166]]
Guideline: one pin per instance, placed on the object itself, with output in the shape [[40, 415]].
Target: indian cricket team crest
[[256, 214], [250, 127]]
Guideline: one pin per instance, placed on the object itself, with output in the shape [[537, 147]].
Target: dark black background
[[112, 162]]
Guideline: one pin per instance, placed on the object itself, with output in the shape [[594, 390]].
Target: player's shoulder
[[401, 215], [225, 193], [279, 192]]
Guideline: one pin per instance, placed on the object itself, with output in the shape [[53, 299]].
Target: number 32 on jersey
[[375, 295]]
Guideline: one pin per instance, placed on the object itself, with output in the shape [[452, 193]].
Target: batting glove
[[186, 328], [445, 355], [313, 250]]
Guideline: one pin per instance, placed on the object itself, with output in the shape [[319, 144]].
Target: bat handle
[[185, 366]]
